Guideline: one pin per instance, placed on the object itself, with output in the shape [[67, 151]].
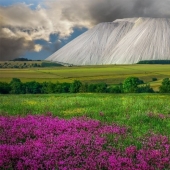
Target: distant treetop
[[21, 59], [154, 62]]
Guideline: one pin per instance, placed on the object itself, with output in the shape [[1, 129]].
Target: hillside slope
[[124, 41]]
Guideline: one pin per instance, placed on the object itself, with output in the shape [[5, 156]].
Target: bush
[[92, 88], [4, 88], [101, 88], [115, 89], [16, 86], [165, 87], [32, 87], [84, 88], [145, 89], [130, 84], [75, 86], [154, 79]]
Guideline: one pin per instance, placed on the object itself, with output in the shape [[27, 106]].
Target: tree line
[[129, 85], [154, 62], [27, 64]]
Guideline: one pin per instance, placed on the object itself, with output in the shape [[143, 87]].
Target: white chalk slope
[[124, 41]]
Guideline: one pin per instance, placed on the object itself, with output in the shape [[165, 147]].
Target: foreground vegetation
[[142, 112], [129, 85], [85, 131], [84, 144]]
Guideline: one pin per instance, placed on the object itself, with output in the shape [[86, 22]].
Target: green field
[[110, 74], [141, 113]]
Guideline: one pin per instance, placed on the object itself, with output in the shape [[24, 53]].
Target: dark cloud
[[108, 10], [150, 8], [11, 48]]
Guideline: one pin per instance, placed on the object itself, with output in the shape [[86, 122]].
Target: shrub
[[4, 88], [101, 88], [75, 86], [115, 89], [145, 89], [130, 84], [154, 79], [165, 87], [92, 87], [32, 87], [16, 86]]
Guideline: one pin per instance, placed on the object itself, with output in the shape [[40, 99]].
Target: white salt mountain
[[124, 41]]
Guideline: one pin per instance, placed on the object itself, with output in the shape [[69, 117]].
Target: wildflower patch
[[47, 142]]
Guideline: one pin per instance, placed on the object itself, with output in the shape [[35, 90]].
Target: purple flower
[[46, 142]]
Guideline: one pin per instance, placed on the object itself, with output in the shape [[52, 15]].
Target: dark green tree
[[115, 89], [101, 88], [130, 84], [58, 87], [66, 87], [4, 88], [75, 86], [44, 87], [145, 89], [154, 79], [165, 87], [92, 88], [48, 88], [16, 86], [84, 88], [32, 87]]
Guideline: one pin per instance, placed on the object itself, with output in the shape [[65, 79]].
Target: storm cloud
[[20, 25], [12, 48]]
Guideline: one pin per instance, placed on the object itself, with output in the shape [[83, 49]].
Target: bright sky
[[37, 28]]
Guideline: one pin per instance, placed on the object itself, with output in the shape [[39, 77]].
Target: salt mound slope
[[124, 41]]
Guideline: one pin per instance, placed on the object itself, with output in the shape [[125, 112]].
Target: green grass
[[131, 110], [110, 74]]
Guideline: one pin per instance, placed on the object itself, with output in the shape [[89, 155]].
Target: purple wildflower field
[[47, 142]]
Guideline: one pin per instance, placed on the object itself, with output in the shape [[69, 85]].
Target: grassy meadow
[[141, 112], [111, 74]]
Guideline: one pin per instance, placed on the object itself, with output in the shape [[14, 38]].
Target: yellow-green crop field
[[111, 74]]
